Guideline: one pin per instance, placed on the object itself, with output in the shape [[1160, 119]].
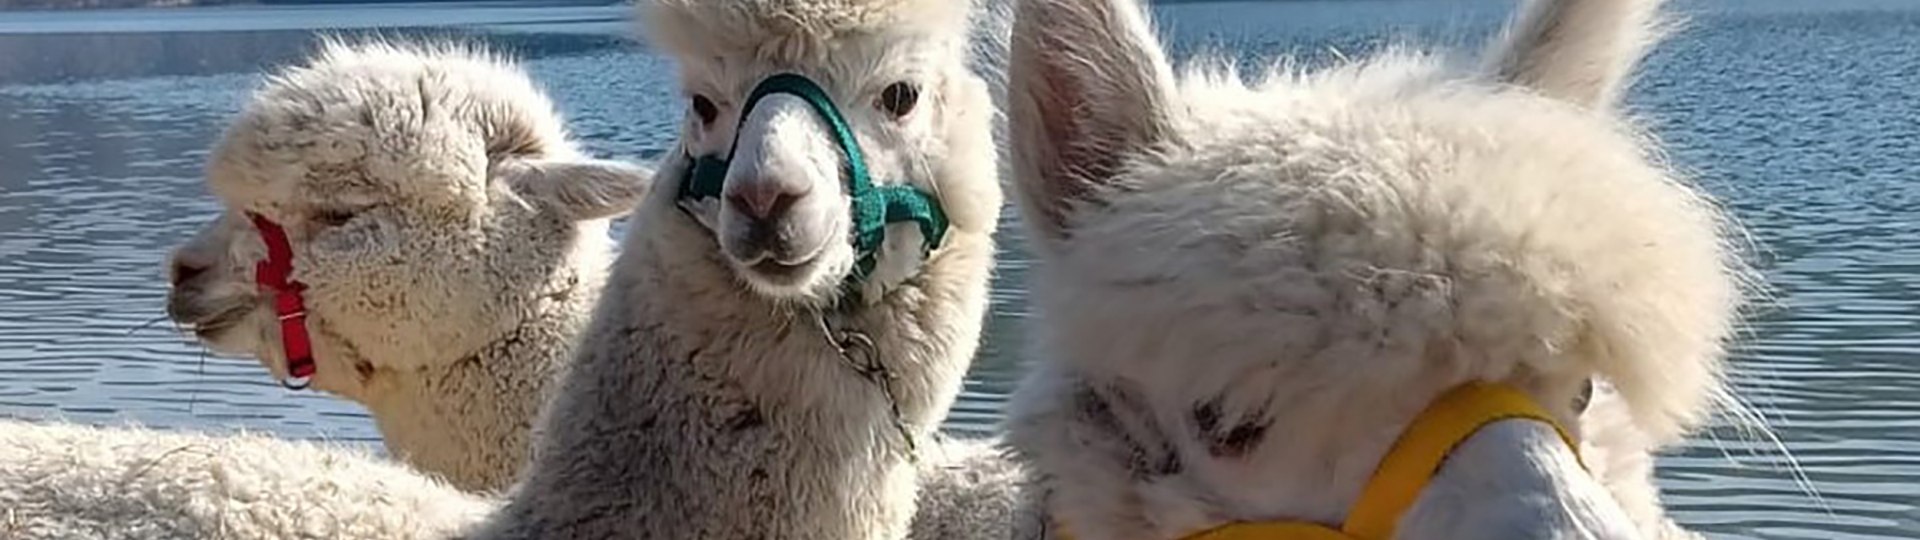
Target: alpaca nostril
[[763, 202], [184, 272]]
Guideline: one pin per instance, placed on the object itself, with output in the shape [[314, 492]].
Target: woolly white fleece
[[707, 402], [450, 235], [1246, 291], [68, 482]]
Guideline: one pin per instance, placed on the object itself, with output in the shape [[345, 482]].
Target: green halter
[[873, 207]]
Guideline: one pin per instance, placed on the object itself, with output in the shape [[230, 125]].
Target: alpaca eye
[[899, 98], [705, 108], [332, 218]]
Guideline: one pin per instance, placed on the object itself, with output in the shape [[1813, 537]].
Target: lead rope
[[858, 351]]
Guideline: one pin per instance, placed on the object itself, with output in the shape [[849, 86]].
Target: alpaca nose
[[184, 271], [765, 200]]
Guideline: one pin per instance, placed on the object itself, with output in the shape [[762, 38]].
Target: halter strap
[[873, 207], [289, 305], [1407, 467], [1427, 442]]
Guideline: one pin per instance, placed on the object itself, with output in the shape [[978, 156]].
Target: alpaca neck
[[469, 421], [696, 409]]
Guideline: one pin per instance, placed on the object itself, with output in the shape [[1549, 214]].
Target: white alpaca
[[450, 236], [712, 397], [440, 405], [1248, 292]]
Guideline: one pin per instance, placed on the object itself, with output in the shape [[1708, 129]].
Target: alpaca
[[63, 481], [753, 370], [464, 416], [811, 444], [449, 235], [1246, 293]]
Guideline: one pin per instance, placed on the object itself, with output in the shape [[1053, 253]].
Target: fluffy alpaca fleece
[[65, 481], [451, 237], [1246, 292], [938, 309], [70, 482], [706, 401], [969, 489], [468, 420]]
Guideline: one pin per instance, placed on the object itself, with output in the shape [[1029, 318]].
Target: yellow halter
[[1404, 472]]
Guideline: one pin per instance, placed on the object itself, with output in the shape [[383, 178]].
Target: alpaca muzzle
[[289, 303], [1403, 473]]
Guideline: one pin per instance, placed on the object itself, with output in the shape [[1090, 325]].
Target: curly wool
[[454, 175], [69, 482]]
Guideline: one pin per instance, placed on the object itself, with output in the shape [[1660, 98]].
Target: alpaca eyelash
[[333, 218]]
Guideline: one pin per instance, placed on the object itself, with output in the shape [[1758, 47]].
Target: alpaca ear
[[1580, 51], [1088, 86], [581, 188]]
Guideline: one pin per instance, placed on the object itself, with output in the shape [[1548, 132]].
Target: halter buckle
[[289, 303]]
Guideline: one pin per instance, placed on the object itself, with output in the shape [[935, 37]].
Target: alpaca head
[[431, 199], [897, 74], [1231, 275]]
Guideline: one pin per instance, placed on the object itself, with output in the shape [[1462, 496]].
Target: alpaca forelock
[[797, 31], [1246, 291]]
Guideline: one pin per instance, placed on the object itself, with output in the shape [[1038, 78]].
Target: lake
[[1804, 117]]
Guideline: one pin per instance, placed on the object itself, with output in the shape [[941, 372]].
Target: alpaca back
[[68, 481]]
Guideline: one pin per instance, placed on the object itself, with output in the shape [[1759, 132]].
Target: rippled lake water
[[1802, 116]]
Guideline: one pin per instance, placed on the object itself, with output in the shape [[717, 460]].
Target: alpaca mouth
[[212, 329], [773, 268], [781, 272], [216, 327], [208, 324], [780, 261]]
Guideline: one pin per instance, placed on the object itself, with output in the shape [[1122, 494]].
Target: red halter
[[274, 274]]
